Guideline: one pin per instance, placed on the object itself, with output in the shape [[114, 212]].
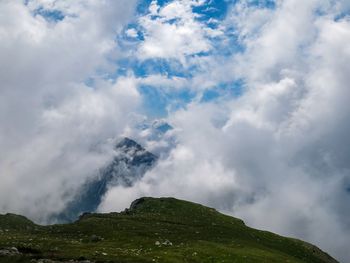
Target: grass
[[153, 230]]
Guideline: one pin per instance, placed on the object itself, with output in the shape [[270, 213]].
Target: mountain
[[130, 163], [151, 230]]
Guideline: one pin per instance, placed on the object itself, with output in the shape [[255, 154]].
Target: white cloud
[[277, 156], [131, 32], [54, 128], [171, 31], [170, 83]]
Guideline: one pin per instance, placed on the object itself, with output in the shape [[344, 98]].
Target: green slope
[[152, 230]]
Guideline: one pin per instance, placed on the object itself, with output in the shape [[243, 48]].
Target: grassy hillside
[[152, 230]]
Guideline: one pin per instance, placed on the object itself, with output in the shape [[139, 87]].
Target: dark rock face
[[136, 203], [128, 165]]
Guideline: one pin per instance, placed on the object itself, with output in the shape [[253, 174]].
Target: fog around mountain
[[255, 92]]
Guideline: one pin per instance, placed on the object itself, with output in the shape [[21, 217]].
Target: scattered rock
[[95, 238], [11, 251], [167, 243], [43, 260]]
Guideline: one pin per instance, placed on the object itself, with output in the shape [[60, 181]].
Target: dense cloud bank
[[50, 119], [276, 154]]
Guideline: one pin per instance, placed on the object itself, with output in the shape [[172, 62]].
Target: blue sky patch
[[49, 15], [159, 100], [213, 9], [271, 4], [158, 103], [225, 90]]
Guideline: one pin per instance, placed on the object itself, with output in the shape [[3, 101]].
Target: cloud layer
[[261, 115], [50, 119], [277, 156]]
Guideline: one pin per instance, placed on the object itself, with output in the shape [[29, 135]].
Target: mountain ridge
[[130, 162], [152, 230]]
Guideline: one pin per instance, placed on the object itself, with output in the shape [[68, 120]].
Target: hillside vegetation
[[152, 230]]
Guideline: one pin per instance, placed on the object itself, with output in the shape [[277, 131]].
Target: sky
[[256, 90]]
